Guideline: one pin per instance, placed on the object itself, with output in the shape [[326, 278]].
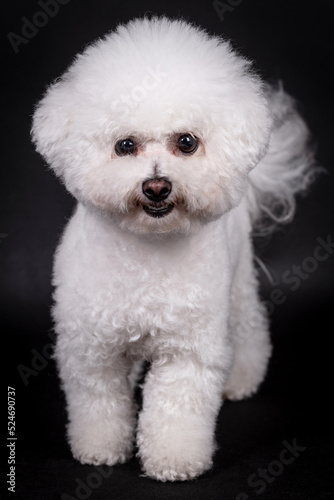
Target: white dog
[[174, 149]]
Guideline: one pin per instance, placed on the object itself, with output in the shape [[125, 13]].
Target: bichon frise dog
[[174, 150]]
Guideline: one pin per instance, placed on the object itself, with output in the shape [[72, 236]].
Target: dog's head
[[157, 125]]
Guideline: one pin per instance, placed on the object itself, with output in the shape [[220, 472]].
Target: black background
[[288, 40]]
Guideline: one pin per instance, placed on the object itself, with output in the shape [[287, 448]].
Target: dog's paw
[[242, 383], [175, 468], [97, 445], [101, 454], [171, 455]]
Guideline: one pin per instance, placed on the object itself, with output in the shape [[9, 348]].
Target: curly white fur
[[179, 290]]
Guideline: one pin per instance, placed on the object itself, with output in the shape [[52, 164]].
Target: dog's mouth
[[158, 211]]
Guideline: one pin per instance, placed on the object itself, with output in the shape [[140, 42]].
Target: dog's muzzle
[[157, 190]]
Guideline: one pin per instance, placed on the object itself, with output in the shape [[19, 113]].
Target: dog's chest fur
[[137, 292]]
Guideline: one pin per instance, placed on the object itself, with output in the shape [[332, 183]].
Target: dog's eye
[[187, 143], [125, 147]]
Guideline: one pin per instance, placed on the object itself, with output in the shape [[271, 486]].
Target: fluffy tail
[[287, 169]]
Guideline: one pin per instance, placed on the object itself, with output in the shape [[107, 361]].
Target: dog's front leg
[[182, 397], [100, 406]]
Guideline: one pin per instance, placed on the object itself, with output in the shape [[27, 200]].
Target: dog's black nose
[[157, 189]]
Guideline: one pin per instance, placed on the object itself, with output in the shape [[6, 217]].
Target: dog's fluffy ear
[[245, 125], [51, 124]]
